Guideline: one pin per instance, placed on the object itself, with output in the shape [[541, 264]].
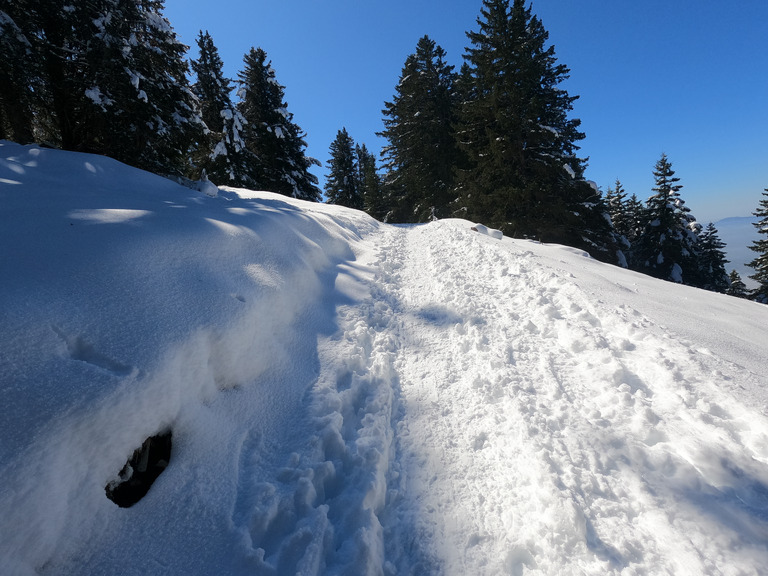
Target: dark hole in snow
[[141, 470]]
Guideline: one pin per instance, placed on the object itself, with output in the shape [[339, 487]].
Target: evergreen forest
[[494, 141]]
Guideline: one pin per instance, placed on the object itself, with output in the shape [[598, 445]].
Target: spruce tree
[[109, 76], [341, 186], [369, 183], [636, 217], [419, 126], [668, 247], [616, 202], [270, 135], [760, 263], [712, 261], [222, 153], [521, 174], [736, 285]]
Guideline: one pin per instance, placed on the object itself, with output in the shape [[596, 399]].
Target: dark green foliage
[[668, 247], [521, 173], [105, 76], [760, 246], [736, 285], [369, 183], [270, 135], [221, 152], [18, 73], [712, 261], [635, 217], [342, 184], [421, 152]]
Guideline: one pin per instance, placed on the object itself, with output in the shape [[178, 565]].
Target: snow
[[348, 397]]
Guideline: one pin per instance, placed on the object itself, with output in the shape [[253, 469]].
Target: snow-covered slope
[[347, 397]]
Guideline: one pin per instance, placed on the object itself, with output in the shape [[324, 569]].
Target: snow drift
[[347, 397]]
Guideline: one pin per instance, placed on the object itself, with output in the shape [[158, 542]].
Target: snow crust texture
[[348, 397]]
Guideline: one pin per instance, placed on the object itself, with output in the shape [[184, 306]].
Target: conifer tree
[[18, 74], [736, 285], [271, 136], [421, 152], [222, 153], [635, 218], [760, 246], [109, 76], [668, 247], [616, 202], [712, 260], [369, 183], [341, 186], [522, 174]]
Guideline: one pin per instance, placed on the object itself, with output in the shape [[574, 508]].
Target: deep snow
[[348, 397]]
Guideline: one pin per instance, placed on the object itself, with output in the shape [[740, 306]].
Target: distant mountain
[[738, 233]]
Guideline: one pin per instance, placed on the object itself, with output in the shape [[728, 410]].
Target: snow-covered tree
[[712, 261], [421, 153], [522, 174], [736, 285], [760, 246], [108, 76], [222, 152], [668, 246], [341, 185], [270, 135]]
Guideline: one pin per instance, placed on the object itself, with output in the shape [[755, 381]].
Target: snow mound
[[493, 233]]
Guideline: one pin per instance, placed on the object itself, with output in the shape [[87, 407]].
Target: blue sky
[[684, 77]]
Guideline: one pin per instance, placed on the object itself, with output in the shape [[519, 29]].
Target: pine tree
[[341, 186], [712, 261], [736, 285], [760, 263], [222, 153], [668, 247], [369, 183], [522, 174], [270, 135], [421, 152]]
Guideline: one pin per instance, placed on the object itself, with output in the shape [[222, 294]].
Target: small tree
[[668, 247], [341, 186], [369, 183], [712, 261], [737, 287], [760, 263]]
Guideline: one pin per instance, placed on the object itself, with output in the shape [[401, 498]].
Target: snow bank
[[130, 305]]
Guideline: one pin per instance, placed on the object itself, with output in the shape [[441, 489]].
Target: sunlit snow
[[348, 397]]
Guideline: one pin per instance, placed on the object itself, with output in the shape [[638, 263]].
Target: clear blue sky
[[684, 77]]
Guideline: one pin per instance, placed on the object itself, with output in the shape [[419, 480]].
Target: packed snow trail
[[542, 433]]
